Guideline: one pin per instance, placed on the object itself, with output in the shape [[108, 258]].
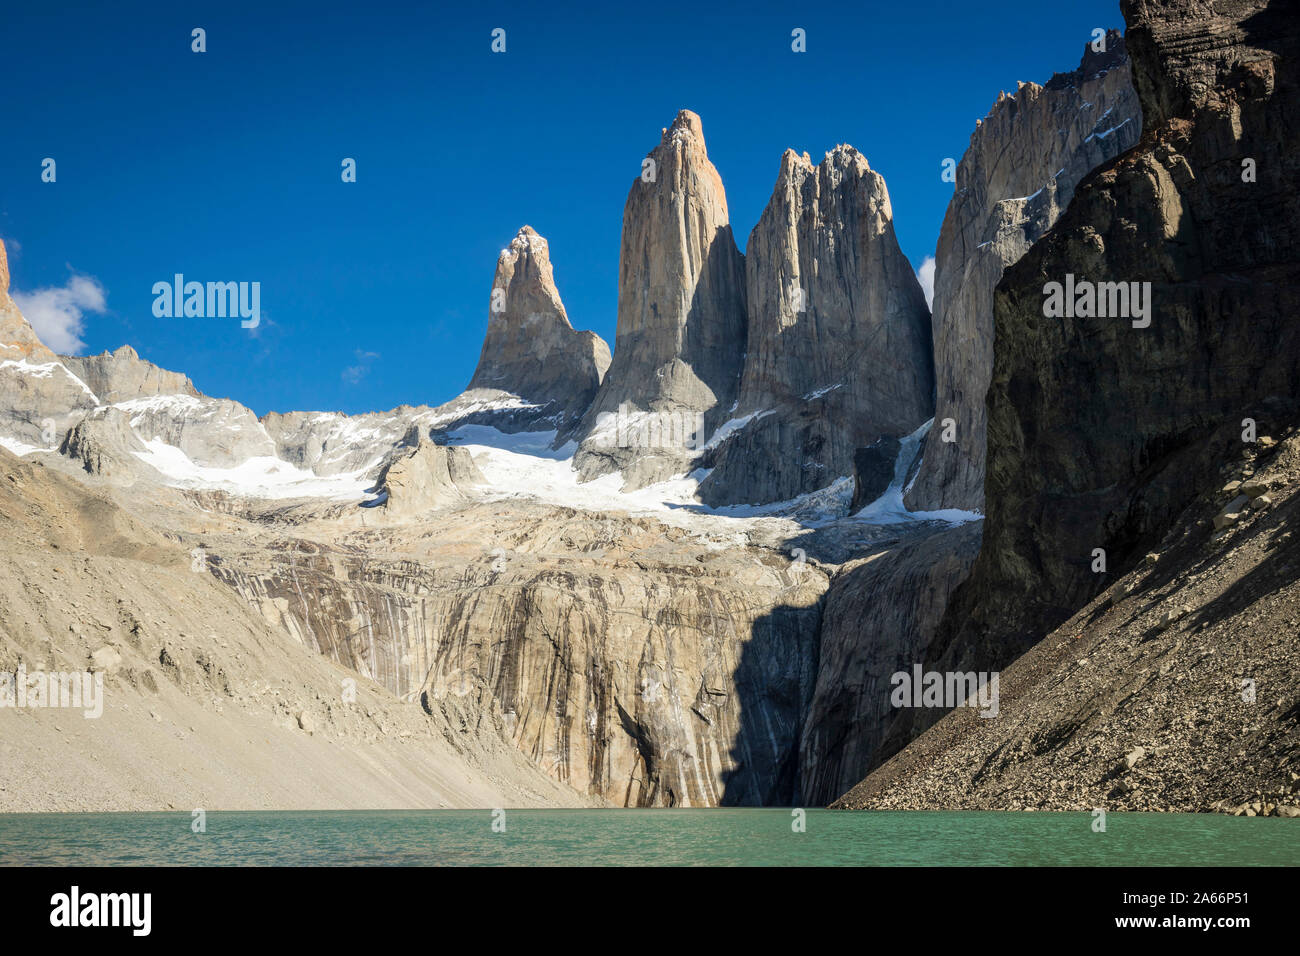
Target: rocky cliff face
[[880, 614], [677, 658], [331, 443], [641, 663], [39, 396], [425, 478], [1024, 162], [839, 347], [1102, 429], [645, 664], [530, 349], [205, 702], [214, 432], [681, 319], [160, 404], [105, 445], [1176, 690], [122, 376]]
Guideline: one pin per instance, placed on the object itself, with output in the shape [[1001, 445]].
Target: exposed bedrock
[[620, 657], [681, 319], [1025, 160], [881, 613], [530, 349], [1102, 428], [839, 350], [39, 397], [425, 478]]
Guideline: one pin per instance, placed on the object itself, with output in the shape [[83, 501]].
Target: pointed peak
[[790, 161], [528, 242], [1026, 90], [4, 269], [686, 125], [845, 155], [126, 352], [1094, 62], [687, 119], [842, 158]]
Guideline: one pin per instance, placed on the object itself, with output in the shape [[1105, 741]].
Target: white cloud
[[925, 275], [353, 374], [57, 314]]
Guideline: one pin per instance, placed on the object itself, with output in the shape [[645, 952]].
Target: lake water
[[759, 837]]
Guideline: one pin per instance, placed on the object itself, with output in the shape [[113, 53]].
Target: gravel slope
[[205, 704], [1139, 703]]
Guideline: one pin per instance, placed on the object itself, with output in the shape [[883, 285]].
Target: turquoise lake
[[727, 837]]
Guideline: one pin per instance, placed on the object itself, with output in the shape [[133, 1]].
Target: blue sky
[[225, 165]]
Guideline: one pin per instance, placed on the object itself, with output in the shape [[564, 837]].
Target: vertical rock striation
[[839, 349], [1025, 160], [681, 318], [1101, 432], [630, 660], [879, 617]]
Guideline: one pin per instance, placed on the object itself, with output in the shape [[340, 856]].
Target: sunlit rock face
[[839, 349], [1025, 160], [681, 316], [530, 349], [40, 397]]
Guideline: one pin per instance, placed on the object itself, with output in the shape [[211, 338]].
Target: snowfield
[[524, 466], [889, 507], [261, 477], [43, 370], [519, 466]]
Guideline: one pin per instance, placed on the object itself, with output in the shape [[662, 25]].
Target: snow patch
[[260, 477], [824, 504], [537, 444], [731, 426], [176, 406], [45, 370], [19, 448], [822, 391], [889, 507], [460, 407], [1103, 135], [524, 466]]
